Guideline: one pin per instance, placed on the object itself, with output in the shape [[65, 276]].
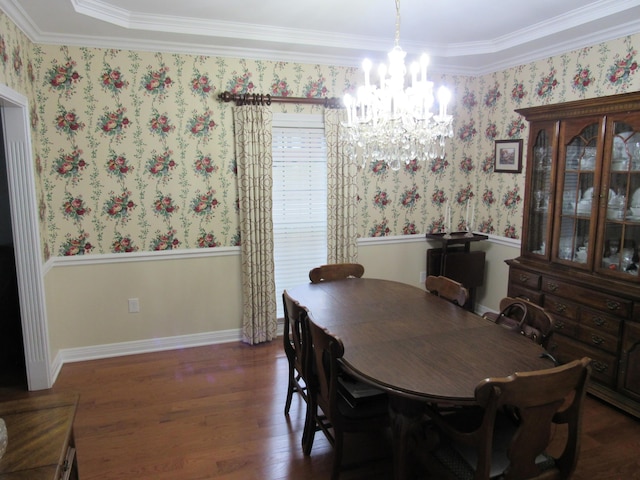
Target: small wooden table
[[41, 444], [458, 263], [418, 347]]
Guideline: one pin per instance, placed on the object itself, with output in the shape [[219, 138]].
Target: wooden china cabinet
[[581, 236]]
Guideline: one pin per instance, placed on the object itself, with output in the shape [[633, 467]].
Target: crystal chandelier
[[395, 124]]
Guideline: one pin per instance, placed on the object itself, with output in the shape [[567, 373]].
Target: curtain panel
[[253, 146], [342, 192]]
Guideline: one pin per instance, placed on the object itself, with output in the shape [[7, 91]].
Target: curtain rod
[[262, 99]]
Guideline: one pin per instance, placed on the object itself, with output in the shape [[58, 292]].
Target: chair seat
[[366, 410], [360, 400], [460, 459], [356, 392]]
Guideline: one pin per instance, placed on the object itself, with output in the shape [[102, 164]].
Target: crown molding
[[238, 40]]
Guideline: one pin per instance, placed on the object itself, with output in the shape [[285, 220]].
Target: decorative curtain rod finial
[[266, 99]]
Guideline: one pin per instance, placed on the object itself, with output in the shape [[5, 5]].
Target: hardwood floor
[[217, 412]]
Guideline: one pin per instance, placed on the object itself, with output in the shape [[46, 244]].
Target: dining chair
[[447, 288], [524, 317], [335, 271], [294, 348], [339, 404], [495, 445]]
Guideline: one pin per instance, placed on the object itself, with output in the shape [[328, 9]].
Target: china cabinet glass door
[[538, 213], [619, 239], [579, 194]]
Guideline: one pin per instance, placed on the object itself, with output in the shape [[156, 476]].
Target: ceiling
[[463, 37]]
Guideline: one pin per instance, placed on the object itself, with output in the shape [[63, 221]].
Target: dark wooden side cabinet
[[41, 444], [581, 236]]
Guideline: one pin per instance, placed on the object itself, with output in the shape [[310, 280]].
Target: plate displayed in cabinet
[[584, 207], [635, 198], [588, 194], [615, 214], [621, 165]]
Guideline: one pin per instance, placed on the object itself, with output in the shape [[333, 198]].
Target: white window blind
[[299, 199]]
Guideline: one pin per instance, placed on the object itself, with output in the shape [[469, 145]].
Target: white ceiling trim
[[575, 18], [339, 50], [558, 48], [100, 10]]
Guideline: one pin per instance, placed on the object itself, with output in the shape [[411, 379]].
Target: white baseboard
[[70, 355], [94, 352]]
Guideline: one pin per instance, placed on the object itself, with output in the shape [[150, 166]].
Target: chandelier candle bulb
[[382, 72], [366, 66], [414, 74], [444, 96], [424, 62]]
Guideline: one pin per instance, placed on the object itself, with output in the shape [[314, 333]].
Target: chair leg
[[290, 390], [337, 455], [309, 431]]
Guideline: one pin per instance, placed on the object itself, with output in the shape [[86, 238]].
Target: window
[[299, 199]]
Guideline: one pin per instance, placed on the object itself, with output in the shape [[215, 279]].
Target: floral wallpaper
[[134, 151]]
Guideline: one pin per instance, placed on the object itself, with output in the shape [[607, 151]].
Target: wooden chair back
[[447, 288], [540, 323], [327, 349], [337, 416], [543, 400], [335, 271], [295, 348]]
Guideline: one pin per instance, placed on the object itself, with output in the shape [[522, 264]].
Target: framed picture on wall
[[508, 156]]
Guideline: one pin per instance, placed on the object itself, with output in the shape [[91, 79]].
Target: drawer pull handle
[[561, 307], [559, 325], [552, 286], [600, 367], [599, 321], [597, 340], [524, 278], [612, 305]]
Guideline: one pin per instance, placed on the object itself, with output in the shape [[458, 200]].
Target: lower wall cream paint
[[195, 299]]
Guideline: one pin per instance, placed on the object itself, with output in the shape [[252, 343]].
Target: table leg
[[406, 420]]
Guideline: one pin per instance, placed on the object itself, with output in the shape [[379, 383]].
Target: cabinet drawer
[[597, 339], [522, 292], [524, 278], [601, 301], [603, 364], [558, 306], [565, 326], [600, 321]]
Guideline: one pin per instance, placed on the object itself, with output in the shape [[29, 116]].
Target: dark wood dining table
[[415, 345]]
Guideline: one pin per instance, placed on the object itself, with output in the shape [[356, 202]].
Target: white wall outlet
[[134, 305], [423, 277]]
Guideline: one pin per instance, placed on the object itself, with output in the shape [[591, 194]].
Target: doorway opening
[[26, 239]]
